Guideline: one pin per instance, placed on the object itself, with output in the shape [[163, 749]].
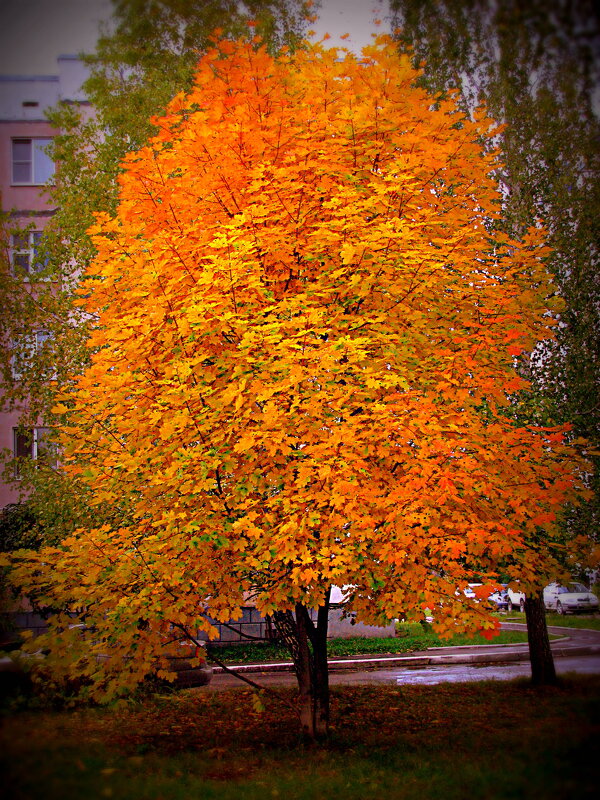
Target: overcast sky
[[34, 32], [355, 17]]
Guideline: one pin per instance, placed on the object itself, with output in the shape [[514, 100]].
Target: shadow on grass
[[451, 741]]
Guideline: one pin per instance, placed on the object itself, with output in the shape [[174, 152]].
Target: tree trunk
[[540, 655], [307, 643]]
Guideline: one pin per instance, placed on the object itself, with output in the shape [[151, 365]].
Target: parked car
[[180, 651], [188, 675], [572, 598], [469, 592], [497, 600], [515, 600], [500, 599]]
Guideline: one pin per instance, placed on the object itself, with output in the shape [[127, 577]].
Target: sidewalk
[[573, 642]]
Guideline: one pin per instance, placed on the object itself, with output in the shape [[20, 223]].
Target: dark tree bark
[[307, 643], [540, 654]]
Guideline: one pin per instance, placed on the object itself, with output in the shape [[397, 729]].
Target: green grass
[[504, 741], [564, 620], [412, 637]]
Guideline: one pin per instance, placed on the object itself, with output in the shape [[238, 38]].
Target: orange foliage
[[306, 336]]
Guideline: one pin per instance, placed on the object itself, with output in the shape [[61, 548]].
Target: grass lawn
[[501, 740], [412, 637], [564, 620]]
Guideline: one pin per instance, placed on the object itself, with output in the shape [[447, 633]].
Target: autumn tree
[[306, 329], [536, 66], [148, 54]]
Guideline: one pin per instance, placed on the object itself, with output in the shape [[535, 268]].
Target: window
[[25, 348], [32, 444], [24, 253], [577, 588], [31, 165]]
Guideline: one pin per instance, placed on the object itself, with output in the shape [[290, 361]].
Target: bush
[[19, 528]]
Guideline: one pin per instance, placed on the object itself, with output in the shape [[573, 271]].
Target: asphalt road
[[405, 676], [579, 652], [476, 672]]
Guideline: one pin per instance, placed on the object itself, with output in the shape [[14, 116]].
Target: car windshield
[[577, 587]]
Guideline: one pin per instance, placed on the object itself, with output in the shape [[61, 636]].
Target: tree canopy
[[536, 66], [306, 325], [149, 53], [146, 55]]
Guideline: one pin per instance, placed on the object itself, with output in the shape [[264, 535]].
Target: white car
[[468, 591], [515, 600], [572, 598]]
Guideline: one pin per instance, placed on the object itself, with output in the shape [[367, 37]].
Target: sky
[[355, 17], [33, 33]]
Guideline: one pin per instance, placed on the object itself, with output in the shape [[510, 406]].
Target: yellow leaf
[[347, 252]]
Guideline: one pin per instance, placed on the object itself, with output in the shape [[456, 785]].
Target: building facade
[[25, 167]]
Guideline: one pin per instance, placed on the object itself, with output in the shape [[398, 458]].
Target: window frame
[[31, 240], [34, 165], [31, 343], [34, 445]]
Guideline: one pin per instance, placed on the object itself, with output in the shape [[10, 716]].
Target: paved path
[[578, 650], [460, 673]]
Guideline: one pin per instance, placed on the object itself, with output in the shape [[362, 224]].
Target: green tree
[[18, 528], [535, 66]]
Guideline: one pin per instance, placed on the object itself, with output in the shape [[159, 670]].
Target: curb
[[483, 656]]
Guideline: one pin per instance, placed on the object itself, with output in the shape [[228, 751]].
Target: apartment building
[[24, 169]]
